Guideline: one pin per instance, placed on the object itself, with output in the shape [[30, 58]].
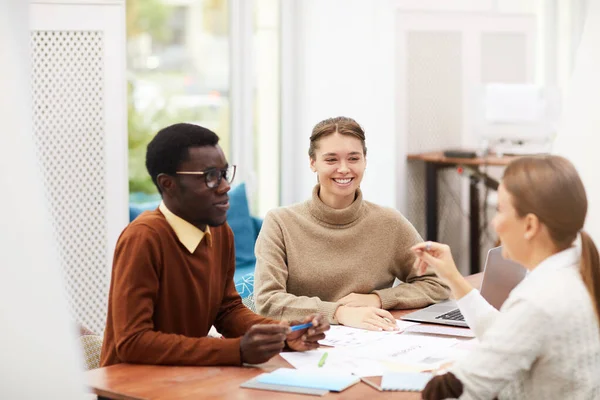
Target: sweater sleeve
[[508, 349], [234, 318], [134, 291], [270, 280], [414, 291], [478, 313]]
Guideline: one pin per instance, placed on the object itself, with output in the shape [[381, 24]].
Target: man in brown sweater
[[173, 269]]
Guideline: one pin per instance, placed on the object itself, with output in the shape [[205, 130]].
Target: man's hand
[[307, 338], [371, 318], [361, 300], [262, 342]]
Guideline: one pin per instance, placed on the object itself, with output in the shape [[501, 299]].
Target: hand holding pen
[[305, 335], [439, 257]]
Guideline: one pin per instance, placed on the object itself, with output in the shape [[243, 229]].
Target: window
[[178, 71], [267, 124], [215, 63]]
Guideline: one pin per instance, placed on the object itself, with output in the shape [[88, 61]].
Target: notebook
[[253, 384], [405, 381], [314, 379]]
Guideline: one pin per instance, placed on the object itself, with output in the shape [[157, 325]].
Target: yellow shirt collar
[[188, 234]]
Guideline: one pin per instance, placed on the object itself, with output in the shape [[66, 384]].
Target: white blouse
[[544, 343]]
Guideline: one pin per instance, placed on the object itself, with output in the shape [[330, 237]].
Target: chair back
[[92, 346]]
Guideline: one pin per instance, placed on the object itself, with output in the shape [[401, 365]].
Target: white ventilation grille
[[68, 121], [434, 121]]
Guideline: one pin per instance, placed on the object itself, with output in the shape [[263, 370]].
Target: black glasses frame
[[211, 180]]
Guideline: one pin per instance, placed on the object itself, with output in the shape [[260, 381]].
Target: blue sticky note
[[327, 380]]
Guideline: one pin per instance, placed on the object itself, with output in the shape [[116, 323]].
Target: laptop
[[500, 276]]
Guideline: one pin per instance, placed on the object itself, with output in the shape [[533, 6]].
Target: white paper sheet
[[395, 352], [343, 336], [337, 360], [404, 348]]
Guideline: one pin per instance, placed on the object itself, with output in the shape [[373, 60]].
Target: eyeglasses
[[213, 176]]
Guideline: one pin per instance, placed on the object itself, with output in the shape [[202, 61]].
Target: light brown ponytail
[[590, 269]]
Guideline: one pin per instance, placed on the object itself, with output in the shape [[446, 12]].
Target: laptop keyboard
[[454, 315]]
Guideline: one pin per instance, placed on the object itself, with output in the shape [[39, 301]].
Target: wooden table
[[134, 382], [434, 161]]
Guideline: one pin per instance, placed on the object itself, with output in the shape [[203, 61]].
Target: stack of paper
[[405, 381]]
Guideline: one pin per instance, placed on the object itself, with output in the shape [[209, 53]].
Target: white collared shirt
[[544, 343]]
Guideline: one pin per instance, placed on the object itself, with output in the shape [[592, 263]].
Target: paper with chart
[[343, 336], [393, 352]]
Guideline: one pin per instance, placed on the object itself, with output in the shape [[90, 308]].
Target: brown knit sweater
[[164, 299], [310, 255]]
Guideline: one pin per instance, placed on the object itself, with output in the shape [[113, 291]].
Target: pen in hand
[[298, 327]]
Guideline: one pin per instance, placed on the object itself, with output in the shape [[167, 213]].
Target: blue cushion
[[241, 270], [242, 225], [136, 209], [245, 285]]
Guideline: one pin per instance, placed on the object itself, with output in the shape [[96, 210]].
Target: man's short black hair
[[169, 148]]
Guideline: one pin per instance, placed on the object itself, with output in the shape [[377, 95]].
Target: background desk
[[134, 382], [434, 161]]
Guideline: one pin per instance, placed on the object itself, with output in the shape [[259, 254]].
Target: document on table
[[339, 360], [394, 352], [404, 348], [343, 336]]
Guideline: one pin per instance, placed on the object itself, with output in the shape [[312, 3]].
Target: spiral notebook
[[405, 381]]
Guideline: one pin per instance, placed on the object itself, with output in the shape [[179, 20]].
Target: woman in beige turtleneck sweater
[[337, 254]]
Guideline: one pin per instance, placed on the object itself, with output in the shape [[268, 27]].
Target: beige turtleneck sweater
[[310, 255]]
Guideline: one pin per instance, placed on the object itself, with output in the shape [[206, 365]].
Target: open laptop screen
[[500, 277]]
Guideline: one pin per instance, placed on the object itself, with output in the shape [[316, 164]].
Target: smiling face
[[340, 163], [189, 197]]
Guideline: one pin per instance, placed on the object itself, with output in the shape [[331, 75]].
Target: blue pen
[[298, 327]]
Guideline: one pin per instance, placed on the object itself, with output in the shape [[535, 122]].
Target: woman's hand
[[307, 338], [361, 300], [371, 318], [439, 257]]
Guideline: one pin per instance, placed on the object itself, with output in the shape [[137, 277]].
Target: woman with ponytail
[[544, 343]]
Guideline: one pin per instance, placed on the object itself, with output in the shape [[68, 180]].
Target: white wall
[[579, 136], [37, 339], [339, 58], [342, 65]]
